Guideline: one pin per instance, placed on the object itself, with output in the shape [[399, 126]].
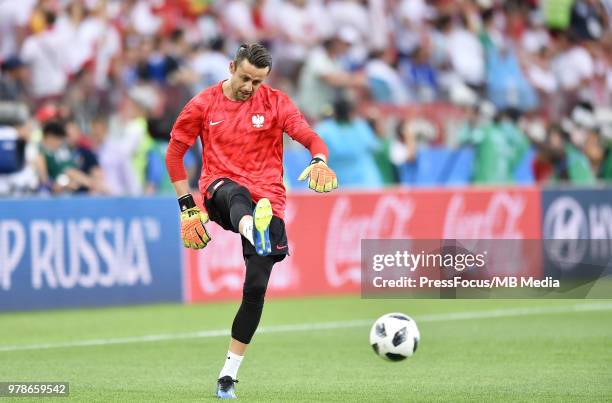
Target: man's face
[[53, 143], [245, 79], [98, 131], [72, 133], [339, 48]]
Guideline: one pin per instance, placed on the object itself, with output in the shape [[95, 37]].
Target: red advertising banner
[[325, 233]]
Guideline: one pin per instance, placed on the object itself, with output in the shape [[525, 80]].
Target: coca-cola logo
[[388, 218], [499, 219], [495, 218]]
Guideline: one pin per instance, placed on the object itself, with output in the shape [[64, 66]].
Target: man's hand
[[193, 233], [322, 178]]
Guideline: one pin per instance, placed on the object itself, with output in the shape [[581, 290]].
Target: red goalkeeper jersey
[[243, 140]]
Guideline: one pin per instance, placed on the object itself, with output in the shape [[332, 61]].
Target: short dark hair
[[254, 53], [342, 109], [217, 44], [54, 128]]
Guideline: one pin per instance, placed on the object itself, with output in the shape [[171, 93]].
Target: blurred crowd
[[89, 89]]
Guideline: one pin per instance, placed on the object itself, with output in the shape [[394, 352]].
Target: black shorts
[[217, 204]]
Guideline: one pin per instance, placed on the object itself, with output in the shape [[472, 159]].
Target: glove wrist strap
[[316, 160], [186, 202]]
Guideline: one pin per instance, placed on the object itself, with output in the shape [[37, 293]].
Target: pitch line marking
[[497, 313]]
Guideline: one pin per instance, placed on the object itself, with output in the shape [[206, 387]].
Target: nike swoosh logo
[[281, 247], [216, 123]]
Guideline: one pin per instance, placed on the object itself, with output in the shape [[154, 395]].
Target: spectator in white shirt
[[119, 176], [323, 75], [350, 13], [45, 54], [573, 64], [210, 65], [14, 15], [237, 16], [302, 25], [464, 51], [384, 80]]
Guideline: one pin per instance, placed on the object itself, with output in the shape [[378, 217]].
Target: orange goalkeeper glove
[[193, 233], [322, 178]]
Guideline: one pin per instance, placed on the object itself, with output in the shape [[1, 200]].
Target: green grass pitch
[[316, 349]]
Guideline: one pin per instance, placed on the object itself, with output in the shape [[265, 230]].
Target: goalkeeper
[[240, 122]]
